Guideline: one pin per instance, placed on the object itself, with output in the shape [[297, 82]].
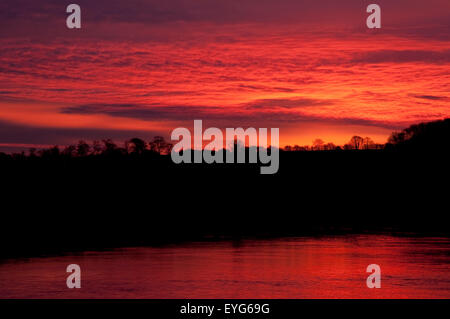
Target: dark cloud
[[21, 134], [364, 122], [170, 93], [402, 56], [160, 11], [147, 112], [46, 17], [225, 117], [287, 103], [190, 112], [430, 97], [263, 88]]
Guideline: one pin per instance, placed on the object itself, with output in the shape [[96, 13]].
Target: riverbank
[[58, 205]]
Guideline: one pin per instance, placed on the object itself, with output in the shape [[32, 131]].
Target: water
[[330, 267]]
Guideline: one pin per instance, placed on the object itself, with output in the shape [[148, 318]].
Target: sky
[[141, 68]]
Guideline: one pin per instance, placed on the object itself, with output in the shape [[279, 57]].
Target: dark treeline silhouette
[[355, 143], [102, 196], [423, 136], [429, 136], [105, 148]]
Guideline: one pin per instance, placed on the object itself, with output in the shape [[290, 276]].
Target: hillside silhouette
[[101, 195], [431, 136]]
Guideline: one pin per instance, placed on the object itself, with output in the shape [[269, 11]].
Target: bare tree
[[318, 144], [368, 143], [348, 146], [356, 142]]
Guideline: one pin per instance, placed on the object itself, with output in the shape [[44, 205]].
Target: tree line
[[355, 143], [430, 135], [103, 148]]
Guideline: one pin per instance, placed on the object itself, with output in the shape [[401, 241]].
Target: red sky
[[141, 68]]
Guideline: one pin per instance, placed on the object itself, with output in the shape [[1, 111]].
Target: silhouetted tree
[[348, 147], [368, 143], [160, 146], [397, 138], [19, 156], [4, 156], [32, 152], [137, 146], [83, 148], [356, 142], [96, 148], [318, 144], [50, 153], [431, 135], [69, 151], [109, 147]]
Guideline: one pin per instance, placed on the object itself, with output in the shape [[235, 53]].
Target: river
[[304, 267]]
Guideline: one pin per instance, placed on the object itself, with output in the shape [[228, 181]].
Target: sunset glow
[[312, 72]]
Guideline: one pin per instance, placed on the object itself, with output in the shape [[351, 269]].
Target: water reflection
[[330, 267]]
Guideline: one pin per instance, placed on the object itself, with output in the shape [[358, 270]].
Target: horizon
[[366, 142], [17, 149]]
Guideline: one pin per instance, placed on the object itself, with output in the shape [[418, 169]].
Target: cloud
[[236, 63], [431, 97], [263, 88], [147, 112], [22, 134], [229, 117], [135, 19], [286, 103], [402, 56], [256, 109]]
